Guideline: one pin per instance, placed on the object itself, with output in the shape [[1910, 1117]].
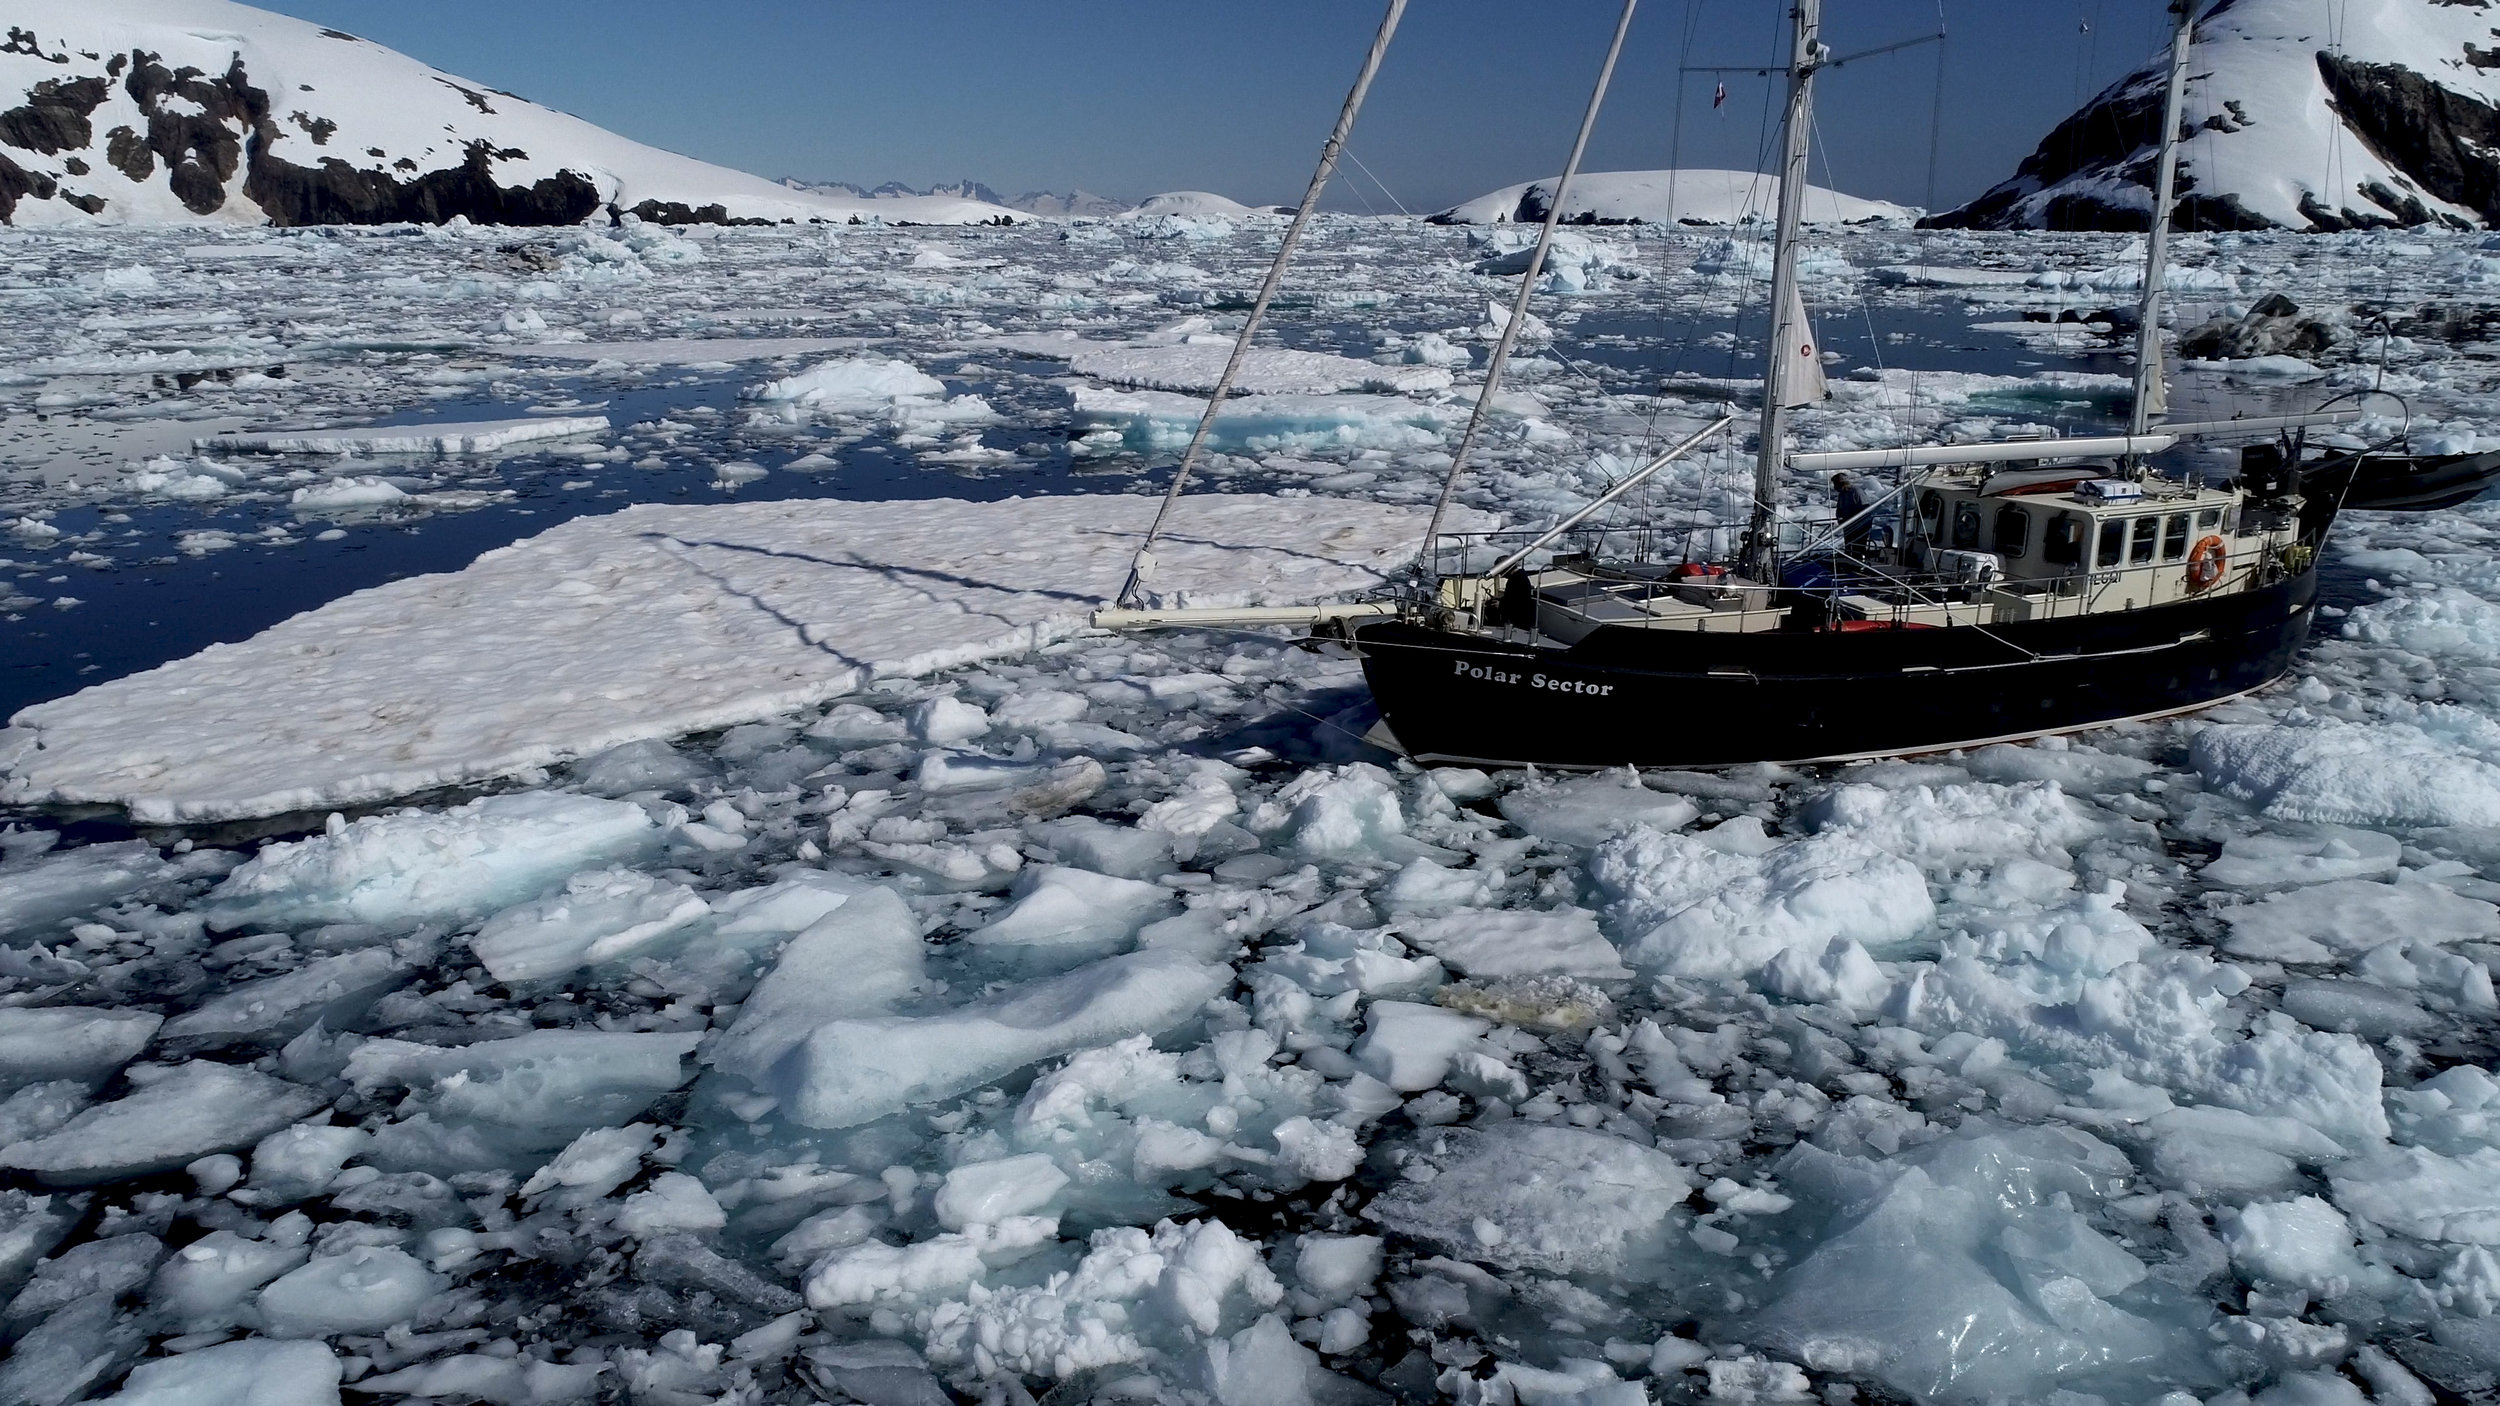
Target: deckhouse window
[[2113, 543], [2013, 532], [2147, 532], [2063, 543], [1966, 526], [2174, 537]]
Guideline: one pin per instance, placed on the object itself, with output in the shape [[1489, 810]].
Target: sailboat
[[2026, 588]]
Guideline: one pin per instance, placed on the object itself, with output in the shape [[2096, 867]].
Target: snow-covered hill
[[177, 111], [2301, 114], [1702, 197], [1198, 204]]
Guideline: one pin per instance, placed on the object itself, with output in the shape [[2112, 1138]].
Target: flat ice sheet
[[479, 437], [1195, 367], [687, 351], [653, 622]]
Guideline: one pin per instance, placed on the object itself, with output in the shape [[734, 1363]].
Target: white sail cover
[[1805, 384]]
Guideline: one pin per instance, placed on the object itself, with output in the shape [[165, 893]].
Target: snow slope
[[1664, 197], [1198, 204], [179, 111], [660, 621], [2300, 114]]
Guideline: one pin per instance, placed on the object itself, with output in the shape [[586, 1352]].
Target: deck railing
[[1640, 562]]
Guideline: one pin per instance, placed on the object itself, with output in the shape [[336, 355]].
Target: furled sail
[[1804, 384]]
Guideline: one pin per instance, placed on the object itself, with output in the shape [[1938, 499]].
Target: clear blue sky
[[1131, 97]]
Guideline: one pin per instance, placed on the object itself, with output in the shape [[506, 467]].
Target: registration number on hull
[[1489, 674]]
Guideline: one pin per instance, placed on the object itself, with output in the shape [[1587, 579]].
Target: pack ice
[[996, 1010]]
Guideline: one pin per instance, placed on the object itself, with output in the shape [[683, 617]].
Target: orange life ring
[[2206, 563]]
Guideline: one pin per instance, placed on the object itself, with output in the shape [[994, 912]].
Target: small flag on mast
[[1720, 97]]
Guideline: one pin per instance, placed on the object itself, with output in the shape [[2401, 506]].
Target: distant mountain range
[[1032, 202], [195, 111], [2300, 114]]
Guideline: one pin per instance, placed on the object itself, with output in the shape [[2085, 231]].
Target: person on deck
[[1855, 521]]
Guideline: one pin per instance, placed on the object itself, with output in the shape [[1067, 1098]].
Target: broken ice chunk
[[417, 866], [1425, 887], [2428, 1195], [985, 1193], [1586, 810], [1685, 906], [252, 1372], [1061, 907], [1563, 1200], [947, 719], [854, 1071], [478, 1376], [504, 1103], [1409, 1046], [1351, 815], [29, 1226], [857, 960], [602, 915], [1120, 851], [1944, 829], [335, 989], [175, 1117], [2316, 855], [2429, 770], [297, 1163], [673, 1203], [2342, 917], [1844, 976], [50, 888], [1337, 1268], [203, 1286], [112, 1266], [39, 1044], [590, 1166], [364, 1290], [1486, 943]]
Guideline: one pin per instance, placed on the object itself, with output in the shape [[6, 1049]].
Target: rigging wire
[[1935, 111], [1683, 71], [1142, 567], [1517, 321], [1383, 185]]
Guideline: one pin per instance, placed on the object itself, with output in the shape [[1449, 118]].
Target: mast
[[1141, 570], [2151, 395], [1787, 336]]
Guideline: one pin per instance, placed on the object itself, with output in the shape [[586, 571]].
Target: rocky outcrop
[[148, 111], [2388, 118], [2274, 327], [336, 193]]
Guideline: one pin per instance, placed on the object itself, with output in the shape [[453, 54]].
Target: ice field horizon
[[505, 895]]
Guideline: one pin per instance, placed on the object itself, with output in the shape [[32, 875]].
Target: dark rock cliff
[[205, 130]]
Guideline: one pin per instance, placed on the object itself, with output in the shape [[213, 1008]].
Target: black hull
[[2403, 483], [1679, 699]]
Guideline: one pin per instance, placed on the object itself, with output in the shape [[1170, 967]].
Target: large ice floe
[[755, 609], [843, 977]]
